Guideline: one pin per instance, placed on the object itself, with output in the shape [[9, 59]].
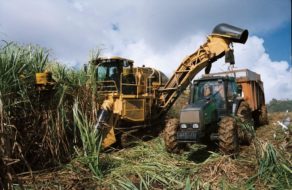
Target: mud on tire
[[228, 136], [169, 136], [263, 117], [245, 124]]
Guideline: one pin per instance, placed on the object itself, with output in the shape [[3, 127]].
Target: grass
[[274, 168], [149, 166], [144, 166], [37, 126], [91, 142]]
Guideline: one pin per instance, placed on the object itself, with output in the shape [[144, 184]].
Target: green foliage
[[279, 105], [246, 128], [18, 65], [149, 166], [91, 141], [273, 167], [41, 120]]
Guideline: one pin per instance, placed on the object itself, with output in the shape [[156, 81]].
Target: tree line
[[279, 105]]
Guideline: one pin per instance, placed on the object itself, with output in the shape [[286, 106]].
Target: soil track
[[210, 167]]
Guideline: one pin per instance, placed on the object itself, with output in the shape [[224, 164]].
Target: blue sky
[[156, 33], [278, 42]]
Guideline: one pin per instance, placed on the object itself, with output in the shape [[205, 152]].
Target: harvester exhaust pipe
[[233, 33]]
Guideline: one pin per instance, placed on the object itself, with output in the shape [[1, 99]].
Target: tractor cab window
[[209, 90], [231, 90]]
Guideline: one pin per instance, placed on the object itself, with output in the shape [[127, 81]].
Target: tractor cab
[[220, 90], [211, 99], [110, 72]]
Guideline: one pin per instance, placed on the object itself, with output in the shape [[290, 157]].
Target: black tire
[[169, 136], [245, 124], [228, 136], [263, 117]]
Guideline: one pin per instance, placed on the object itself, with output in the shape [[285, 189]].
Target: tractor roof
[[239, 73], [212, 77]]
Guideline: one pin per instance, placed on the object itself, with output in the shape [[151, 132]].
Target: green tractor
[[219, 110]]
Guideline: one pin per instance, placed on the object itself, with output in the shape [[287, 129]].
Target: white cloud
[[143, 54], [154, 33], [277, 75]]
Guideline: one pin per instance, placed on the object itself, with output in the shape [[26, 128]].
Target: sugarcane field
[[145, 95]]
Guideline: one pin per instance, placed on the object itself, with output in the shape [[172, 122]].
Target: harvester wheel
[[246, 124], [263, 118], [169, 136], [228, 136]]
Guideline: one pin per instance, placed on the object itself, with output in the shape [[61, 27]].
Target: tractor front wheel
[[169, 135], [228, 136]]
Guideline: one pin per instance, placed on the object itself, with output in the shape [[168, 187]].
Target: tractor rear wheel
[[169, 136], [245, 125], [228, 136], [263, 118]]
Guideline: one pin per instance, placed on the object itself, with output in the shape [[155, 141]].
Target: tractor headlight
[[183, 126], [195, 126]]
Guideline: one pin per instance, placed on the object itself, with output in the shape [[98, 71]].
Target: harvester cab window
[[101, 73], [114, 75], [128, 80], [108, 75], [106, 72]]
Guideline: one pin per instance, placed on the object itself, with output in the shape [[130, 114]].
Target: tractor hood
[[193, 113]]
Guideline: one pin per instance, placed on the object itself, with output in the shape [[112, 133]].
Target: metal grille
[[134, 109], [190, 116]]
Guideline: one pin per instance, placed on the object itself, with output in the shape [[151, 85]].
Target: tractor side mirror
[[239, 90]]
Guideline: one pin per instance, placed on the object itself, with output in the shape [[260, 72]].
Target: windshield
[[108, 76], [107, 72], [208, 89]]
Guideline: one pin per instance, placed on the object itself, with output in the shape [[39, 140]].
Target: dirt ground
[[207, 165]]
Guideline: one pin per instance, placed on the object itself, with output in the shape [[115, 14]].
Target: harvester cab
[[110, 72]]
